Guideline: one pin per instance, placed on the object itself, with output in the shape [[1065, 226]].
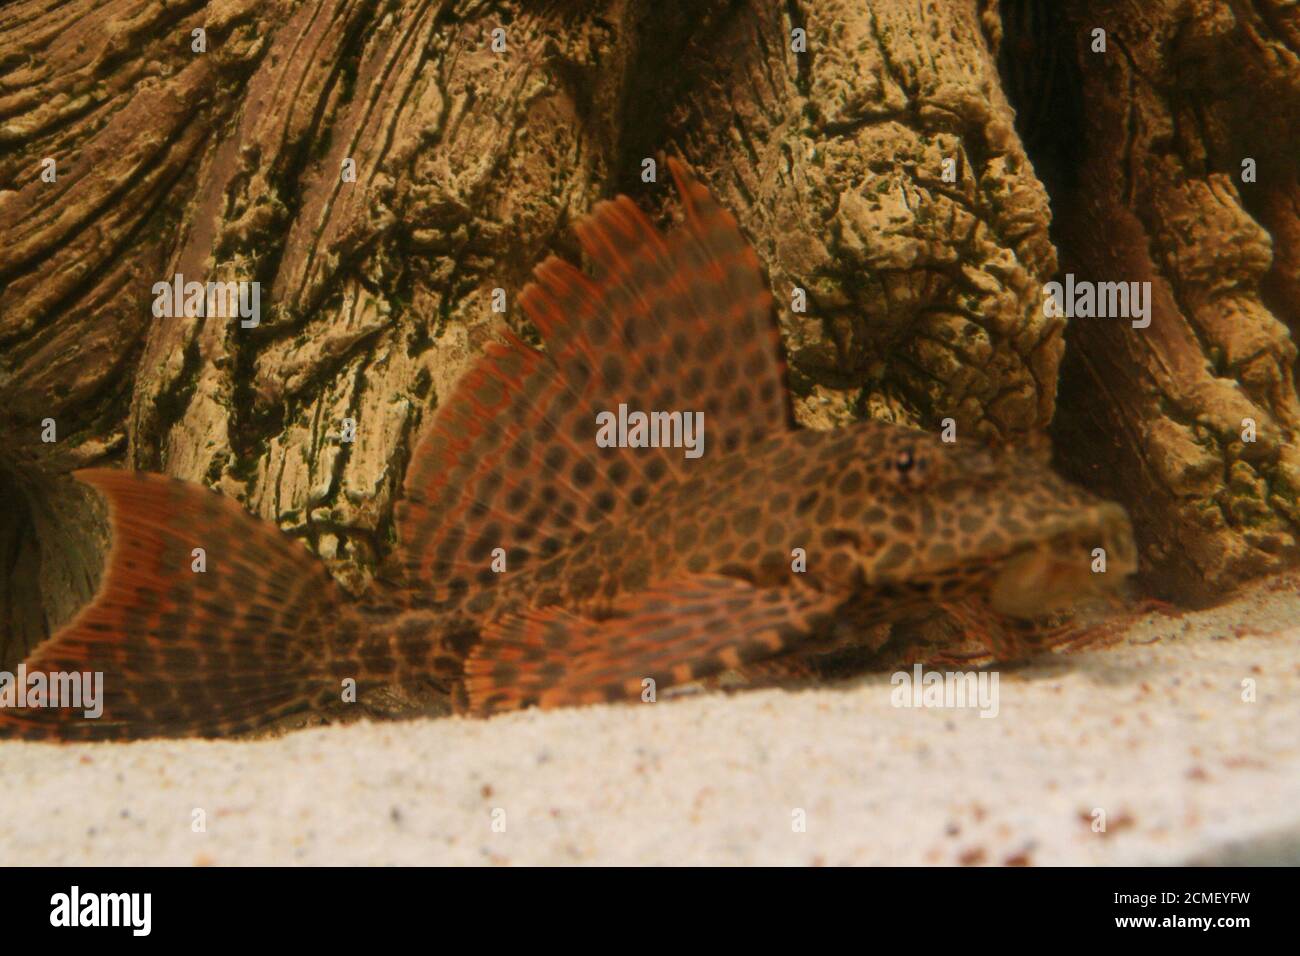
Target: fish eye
[[909, 467]]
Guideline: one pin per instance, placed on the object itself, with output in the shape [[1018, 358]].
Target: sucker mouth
[[1053, 574]]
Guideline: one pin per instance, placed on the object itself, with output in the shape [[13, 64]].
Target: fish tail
[[208, 621]]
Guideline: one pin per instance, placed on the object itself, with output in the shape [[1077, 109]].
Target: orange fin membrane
[[676, 323], [681, 631], [186, 652]]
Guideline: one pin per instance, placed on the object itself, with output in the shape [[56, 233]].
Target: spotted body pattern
[[622, 565]]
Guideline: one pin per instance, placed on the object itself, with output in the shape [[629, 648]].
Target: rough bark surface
[[1156, 417], [923, 295]]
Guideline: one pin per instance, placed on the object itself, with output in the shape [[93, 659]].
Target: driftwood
[[870, 150]]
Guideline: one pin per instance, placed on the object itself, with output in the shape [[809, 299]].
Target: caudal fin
[[208, 621]]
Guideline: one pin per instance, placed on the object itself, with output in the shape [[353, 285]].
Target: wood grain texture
[[924, 296]]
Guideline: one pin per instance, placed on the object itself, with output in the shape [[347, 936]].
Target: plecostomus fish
[[540, 565]]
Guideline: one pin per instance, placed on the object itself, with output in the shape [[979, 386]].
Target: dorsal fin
[[676, 323]]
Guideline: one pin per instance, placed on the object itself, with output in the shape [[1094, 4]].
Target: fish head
[[940, 521]]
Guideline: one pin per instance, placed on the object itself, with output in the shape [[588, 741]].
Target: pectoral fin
[[680, 631]]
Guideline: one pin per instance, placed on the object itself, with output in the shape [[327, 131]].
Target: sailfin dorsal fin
[[668, 325]]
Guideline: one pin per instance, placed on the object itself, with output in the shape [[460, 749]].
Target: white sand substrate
[[1151, 736]]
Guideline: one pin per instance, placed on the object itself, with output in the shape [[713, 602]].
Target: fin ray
[[677, 323], [183, 651], [683, 630]]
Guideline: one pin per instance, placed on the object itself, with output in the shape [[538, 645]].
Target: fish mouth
[[1069, 567]]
